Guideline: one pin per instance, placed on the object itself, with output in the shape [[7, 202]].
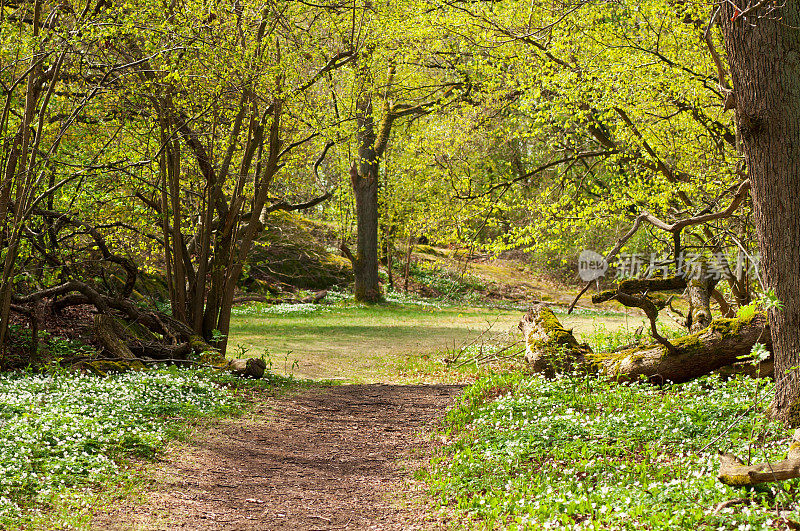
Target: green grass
[[391, 342], [580, 451], [403, 341]]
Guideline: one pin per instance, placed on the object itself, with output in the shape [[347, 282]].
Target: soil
[[326, 458]]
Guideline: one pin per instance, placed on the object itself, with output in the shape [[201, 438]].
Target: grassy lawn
[[362, 344], [382, 343]]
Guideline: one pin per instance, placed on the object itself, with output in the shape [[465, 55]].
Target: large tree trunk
[[549, 346], [763, 48]]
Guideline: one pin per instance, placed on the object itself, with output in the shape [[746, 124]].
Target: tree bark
[[699, 295], [763, 48], [365, 261], [549, 346], [735, 473], [105, 332]]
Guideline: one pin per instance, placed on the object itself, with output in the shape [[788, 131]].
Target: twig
[[481, 356]]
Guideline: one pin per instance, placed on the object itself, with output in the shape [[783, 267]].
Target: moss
[[634, 353], [732, 327], [638, 285], [687, 343], [211, 357], [335, 260], [603, 296], [683, 345], [556, 332], [735, 480]]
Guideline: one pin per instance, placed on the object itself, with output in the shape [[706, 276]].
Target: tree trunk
[[365, 264], [699, 295], [763, 48], [105, 331], [407, 265], [549, 346], [364, 179]]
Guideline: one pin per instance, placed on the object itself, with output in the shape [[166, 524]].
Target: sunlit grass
[[365, 343]]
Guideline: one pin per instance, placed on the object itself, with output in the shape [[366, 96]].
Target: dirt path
[[327, 458]]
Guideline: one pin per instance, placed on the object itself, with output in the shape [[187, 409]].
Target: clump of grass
[[581, 451], [63, 432]]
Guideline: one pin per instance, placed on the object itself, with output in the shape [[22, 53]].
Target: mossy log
[[719, 345], [548, 345], [649, 285], [735, 473]]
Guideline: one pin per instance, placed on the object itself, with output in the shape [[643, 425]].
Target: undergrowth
[[583, 452], [604, 339], [64, 433]]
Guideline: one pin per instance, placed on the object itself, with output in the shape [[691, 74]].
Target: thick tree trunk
[[105, 331], [549, 346], [763, 48]]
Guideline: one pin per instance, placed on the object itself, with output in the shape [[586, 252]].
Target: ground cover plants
[[581, 451], [64, 433]]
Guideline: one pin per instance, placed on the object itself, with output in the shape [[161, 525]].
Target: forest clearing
[[414, 425], [413, 265]]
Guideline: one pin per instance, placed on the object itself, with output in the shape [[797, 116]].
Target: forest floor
[[328, 456], [334, 457]]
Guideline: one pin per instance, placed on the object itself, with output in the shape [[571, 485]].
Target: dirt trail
[[327, 458]]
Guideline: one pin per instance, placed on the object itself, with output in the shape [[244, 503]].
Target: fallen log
[[735, 473], [723, 343], [548, 345]]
